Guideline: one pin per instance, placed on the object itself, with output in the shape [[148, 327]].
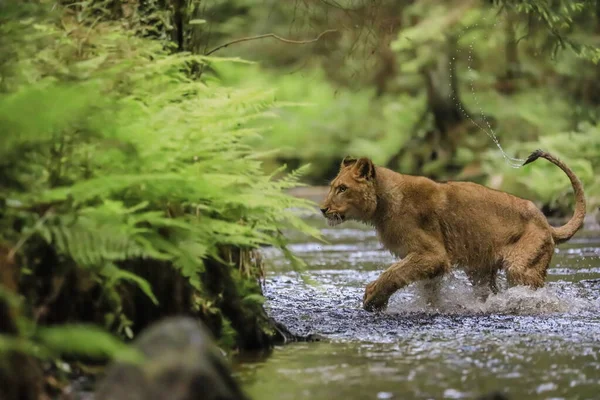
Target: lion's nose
[[324, 210]]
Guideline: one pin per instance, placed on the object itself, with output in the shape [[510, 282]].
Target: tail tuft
[[534, 156]]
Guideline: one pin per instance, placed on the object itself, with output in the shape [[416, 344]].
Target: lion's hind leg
[[483, 281], [429, 289], [527, 262]]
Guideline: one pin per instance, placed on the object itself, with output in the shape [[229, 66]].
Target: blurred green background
[[420, 85]]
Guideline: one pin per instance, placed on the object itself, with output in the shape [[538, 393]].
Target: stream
[[528, 344]]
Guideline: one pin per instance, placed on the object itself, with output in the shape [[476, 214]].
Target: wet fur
[[433, 227]]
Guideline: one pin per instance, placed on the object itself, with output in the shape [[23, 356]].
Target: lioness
[[433, 226]]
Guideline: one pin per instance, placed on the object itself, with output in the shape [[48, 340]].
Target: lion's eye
[[342, 188]]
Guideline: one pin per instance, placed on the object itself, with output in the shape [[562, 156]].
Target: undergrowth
[[111, 153]]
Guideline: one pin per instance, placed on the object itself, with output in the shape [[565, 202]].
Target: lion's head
[[352, 193]]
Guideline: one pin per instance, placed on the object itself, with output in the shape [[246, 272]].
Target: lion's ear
[[347, 161], [365, 168]]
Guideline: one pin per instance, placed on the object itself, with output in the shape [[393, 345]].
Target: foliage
[[558, 18], [547, 183], [127, 158], [525, 71], [65, 340], [327, 122]]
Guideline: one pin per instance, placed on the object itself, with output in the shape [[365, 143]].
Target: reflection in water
[[531, 344]]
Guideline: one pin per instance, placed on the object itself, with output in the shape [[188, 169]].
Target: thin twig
[[337, 5], [12, 253], [245, 39], [529, 23]]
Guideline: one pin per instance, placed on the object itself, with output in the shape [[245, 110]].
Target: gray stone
[[182, 363]]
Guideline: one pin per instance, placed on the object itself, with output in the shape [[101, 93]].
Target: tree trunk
[[507, 83], [449, 114], [443, 98], [178, 33], [513, 65], [386, 72]]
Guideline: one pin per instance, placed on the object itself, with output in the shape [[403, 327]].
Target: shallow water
[[534, 345]]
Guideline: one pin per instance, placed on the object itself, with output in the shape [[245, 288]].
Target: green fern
[[132, 159]]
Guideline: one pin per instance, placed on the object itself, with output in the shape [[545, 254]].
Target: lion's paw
[[376, 296]]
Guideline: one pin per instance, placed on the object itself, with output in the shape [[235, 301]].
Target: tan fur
[[434, 226]]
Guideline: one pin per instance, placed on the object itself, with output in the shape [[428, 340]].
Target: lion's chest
[[393, 244]]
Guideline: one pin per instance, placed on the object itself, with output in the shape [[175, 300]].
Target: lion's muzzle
[[333, 218]]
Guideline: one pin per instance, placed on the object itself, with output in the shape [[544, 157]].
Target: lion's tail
[[565, 232]]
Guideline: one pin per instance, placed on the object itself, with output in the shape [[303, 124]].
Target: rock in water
[[182, 363]]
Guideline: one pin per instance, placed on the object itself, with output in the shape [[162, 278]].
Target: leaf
[[254, 299], [10, 343], [115, 274], [11, 298], [86, 340]]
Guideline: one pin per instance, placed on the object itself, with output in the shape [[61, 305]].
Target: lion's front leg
[[414, 267], [377, 295]]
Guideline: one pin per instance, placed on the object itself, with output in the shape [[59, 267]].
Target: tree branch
[[281, 39], [335, 4]]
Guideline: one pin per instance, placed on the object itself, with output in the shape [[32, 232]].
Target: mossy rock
[[182, 362]]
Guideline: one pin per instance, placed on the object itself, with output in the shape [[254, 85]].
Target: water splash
[[457, 297], [489, 131]]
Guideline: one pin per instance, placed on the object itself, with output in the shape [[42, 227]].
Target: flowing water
[[529, 345]]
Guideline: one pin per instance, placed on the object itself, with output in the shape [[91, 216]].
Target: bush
[[113, 157]]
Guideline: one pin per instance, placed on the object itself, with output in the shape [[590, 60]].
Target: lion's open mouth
[[334, 219]]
